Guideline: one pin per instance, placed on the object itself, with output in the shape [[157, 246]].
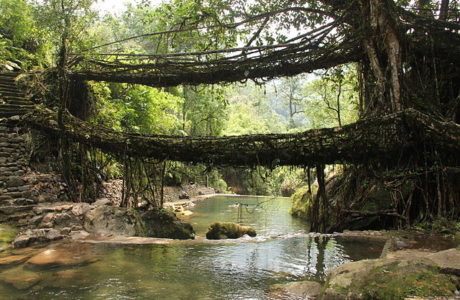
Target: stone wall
[[16, 197], [21, 189]]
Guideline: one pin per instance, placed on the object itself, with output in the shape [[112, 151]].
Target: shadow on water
[[282, 252]]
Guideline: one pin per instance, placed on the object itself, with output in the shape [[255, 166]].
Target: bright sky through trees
[[116, 6]]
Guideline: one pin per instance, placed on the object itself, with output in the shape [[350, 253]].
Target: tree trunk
[[444, 10], [384, 52]]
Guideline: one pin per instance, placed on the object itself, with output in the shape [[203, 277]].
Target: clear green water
[[241, 269], [269, 215]]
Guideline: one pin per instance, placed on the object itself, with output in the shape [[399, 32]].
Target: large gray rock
[[80, 209], [400, 274], [163, 223], [59, 220], [448, 261], [110, 220], [36, 236]]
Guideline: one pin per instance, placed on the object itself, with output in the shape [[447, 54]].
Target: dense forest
[[384, 74]]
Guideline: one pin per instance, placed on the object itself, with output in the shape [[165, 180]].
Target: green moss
[[7, 234], [394, 281], [163, 223], [224, 230], [301, 201]]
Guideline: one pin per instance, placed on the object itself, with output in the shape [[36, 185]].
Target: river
[[283, 251]]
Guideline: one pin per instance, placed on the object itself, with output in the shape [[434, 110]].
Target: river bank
[[53, 219]]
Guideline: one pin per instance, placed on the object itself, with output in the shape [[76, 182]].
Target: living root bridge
[[398, 135]]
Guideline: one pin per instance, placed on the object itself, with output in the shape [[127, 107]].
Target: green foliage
[[243, 119], [137, 109], [178, 173], [67, 18], [332, 99], [22, 42], [439, 225], [203, 110], [301, 201], [249, 112]]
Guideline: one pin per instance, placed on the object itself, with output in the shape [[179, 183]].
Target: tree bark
[[384, 51]]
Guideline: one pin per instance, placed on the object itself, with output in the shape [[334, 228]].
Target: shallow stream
[[238, 269]]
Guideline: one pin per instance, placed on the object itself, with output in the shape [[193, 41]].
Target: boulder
[[110, 220], [295, 290], [227, 230], [395, 277], [36, 236], [66, 219], [163, 223], [448, 261], [183, 195], [80, 209]]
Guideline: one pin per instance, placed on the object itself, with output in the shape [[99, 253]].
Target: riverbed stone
[[73, 255], [13, 260], [304, 290], [19, 278]]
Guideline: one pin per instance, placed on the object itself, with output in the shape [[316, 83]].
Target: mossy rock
[[395, 282], [388, 279], [228, 230], [163, 223], [301, 201]]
